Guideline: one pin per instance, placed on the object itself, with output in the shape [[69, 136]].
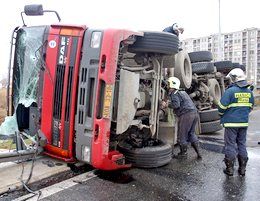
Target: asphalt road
[[180, 180]]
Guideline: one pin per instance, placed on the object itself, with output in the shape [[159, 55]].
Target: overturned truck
[[92, 94]]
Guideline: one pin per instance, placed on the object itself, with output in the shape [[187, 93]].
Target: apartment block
[[239, 47]]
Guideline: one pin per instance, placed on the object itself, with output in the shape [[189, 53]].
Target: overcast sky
[[198, 17]]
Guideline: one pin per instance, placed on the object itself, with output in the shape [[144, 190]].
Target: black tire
[[214, 90], [155, 42], [209, 115], [183, 69], [210, 127], [200, 56], [203, 67], [223, 65], [147, 157]]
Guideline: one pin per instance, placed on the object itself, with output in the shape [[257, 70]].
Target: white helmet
[[175, 27], [237, 74], [174, 83]]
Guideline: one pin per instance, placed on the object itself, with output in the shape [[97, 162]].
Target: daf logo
[[63, 44], [52, 44]]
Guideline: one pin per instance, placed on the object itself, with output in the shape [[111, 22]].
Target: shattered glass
[[27, 64]]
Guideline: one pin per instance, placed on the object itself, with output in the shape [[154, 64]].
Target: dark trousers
[[186, 128], [235, 142]]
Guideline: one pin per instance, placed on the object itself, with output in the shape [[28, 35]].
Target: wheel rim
[[187, 72], [217, 92]]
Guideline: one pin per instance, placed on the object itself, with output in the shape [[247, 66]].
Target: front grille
[[58, 104], [64, 84], [70, 79], [58, 91]]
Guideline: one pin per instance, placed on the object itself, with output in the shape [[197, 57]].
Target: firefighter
[[234, 108], [187, 115], [174, 29]]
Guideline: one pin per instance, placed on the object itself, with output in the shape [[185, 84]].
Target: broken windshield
[[26, 68]]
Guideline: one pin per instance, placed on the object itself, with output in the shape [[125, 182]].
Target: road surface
[[180, 180]]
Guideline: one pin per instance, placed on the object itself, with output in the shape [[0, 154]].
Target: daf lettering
[[62, 50]]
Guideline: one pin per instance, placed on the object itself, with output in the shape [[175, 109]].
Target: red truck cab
[[80, 81]]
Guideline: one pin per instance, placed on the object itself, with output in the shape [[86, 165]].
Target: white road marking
[[50, 190]]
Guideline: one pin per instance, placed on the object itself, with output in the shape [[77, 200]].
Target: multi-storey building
[[239, 47]]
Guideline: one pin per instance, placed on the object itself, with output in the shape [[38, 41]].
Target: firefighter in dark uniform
[[187, 114], [174, 29], [234, 108]]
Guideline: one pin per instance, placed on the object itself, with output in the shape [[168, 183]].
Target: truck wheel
[[210, 127], [147, 157], [155, 42], [214, 90], [209, 115], [183, 69], [203, 67], [200, 56], [223, 65]]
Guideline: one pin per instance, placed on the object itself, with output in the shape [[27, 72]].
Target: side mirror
[[33, 10], [36, 10]]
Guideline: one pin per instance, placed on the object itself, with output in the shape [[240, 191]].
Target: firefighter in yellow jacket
[[234, 108]]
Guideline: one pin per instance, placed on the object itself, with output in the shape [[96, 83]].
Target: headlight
[[86, 154], [95, 39]]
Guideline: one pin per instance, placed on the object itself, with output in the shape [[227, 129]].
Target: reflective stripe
[[240, 105], [222, 106], [242, 95], [235, 124]]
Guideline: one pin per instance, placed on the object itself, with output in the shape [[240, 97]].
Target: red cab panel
[[60, 90]]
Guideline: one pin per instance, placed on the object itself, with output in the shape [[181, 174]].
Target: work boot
[[242, 165], [229, 167], [196, 147], [183, 154]]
